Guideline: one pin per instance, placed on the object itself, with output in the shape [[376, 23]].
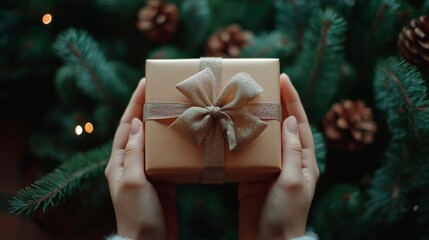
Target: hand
[[279, 210], [143, 211]]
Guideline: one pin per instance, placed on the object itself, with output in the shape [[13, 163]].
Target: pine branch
[[404, 171], [321, 47], [292, 16], [274, 44], [69, 178], [317, 70], [95, 77], [402, 93], [382, 22], [340, 204]]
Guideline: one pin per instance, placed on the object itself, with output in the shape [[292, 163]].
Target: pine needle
[[95, 76], [401, 93], [316, 72], [292, 16], [387, 196], [382, 22], [71, 177]]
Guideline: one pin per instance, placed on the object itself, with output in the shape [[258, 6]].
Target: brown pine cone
[[227, 42], [349, 125], [158, 21], [413, 42]]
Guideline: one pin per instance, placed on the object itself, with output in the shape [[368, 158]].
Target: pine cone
[[349, 125], [413, 42], [227, 42], [158, 21]]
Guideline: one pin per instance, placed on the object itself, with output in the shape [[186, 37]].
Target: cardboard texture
[[169, 157]]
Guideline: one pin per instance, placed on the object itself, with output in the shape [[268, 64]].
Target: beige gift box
[[169, 157]]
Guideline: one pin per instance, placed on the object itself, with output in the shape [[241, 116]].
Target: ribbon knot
[[215, 111]]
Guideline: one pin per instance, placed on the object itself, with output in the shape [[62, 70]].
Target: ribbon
[[216, 116]]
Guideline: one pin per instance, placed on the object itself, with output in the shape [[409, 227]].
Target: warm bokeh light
[[78, 130], [89, 127], [47, 18]]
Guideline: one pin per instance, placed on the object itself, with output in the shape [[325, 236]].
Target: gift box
[[212, 120]]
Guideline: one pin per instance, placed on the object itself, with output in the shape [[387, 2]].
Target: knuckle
[[131, 149], [131, 144], [290, 184], [294, 151], [294, 145], [133, 183]]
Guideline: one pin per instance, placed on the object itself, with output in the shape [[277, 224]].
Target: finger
[[311, 174], [114, 168], [294, 107], [291, 174], [134, 157], [133, 110]]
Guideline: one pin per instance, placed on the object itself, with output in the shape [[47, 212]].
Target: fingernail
[[291, 125], [135, 126], [283, 75]]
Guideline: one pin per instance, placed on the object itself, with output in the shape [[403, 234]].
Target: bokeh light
[[89, 127], [78, 130], [47, 18]]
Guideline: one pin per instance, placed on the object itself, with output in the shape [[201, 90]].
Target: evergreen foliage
[[316, 72], [381, 19], [94, 75], [331, 49], [196, 22], [339, 205], [398, 189], [387, 200], [292, 16], [274, 44], [71, 177], [401, 92], [320, 147]]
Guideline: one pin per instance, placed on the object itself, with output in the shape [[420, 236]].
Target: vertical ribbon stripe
[[214, 145]]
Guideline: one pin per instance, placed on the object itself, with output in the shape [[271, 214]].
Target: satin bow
[[215, 115]]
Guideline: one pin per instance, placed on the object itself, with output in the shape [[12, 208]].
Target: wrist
[[294, 231]]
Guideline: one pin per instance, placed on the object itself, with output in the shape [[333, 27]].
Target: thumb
[[291, 174], [134, 156]]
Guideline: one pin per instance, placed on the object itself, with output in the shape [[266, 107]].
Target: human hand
[[279, 210], [143, 211]]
